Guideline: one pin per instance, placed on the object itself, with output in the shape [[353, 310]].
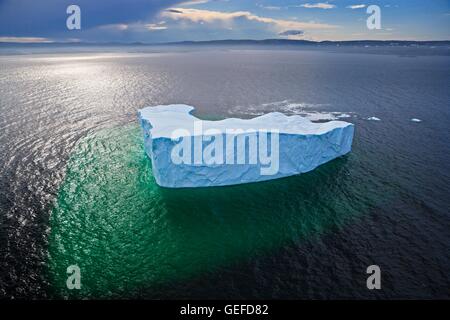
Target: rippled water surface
[[77, 188]]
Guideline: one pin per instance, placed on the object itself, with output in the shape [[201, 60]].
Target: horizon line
[[50, 42]]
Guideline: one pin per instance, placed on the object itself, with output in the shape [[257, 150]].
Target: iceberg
[[188, 152]]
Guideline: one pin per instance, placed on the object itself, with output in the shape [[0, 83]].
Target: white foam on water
[[302, 109], [318, 116]]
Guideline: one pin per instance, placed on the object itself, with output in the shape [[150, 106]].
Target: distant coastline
[[229, 42], [391, 47]]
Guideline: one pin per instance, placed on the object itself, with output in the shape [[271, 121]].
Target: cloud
[[292, 33], [156, 26], [25, 40], [228, 18], [193, 2], [356, 6], [318, 5], [47, 18], [114, 27], [174, 11], [269, 7]]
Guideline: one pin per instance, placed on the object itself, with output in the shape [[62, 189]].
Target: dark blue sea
[[76, 186]]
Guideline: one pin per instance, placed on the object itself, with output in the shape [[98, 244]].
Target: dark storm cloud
[[174, 11], [48, 17], [292, 33]]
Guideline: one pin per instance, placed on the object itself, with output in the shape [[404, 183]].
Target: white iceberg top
[[165, 119]]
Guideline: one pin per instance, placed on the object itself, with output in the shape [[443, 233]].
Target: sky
[[156, 21]]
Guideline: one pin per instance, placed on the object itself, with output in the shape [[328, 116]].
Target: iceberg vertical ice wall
[[179, 151]]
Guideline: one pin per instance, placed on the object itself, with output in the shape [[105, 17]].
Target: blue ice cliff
[[188, 152]]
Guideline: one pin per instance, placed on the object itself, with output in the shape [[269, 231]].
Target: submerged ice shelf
[[188, 152]]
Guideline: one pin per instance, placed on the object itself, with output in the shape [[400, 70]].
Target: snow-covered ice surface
[[416, 120], [303, 145], [373, 119]]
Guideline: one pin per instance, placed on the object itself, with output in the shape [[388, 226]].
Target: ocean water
[[76, 186]]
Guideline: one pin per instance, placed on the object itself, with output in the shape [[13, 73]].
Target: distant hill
[[232, 42], [315, 43]]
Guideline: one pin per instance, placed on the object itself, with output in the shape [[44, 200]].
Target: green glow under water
[[127, 234]]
